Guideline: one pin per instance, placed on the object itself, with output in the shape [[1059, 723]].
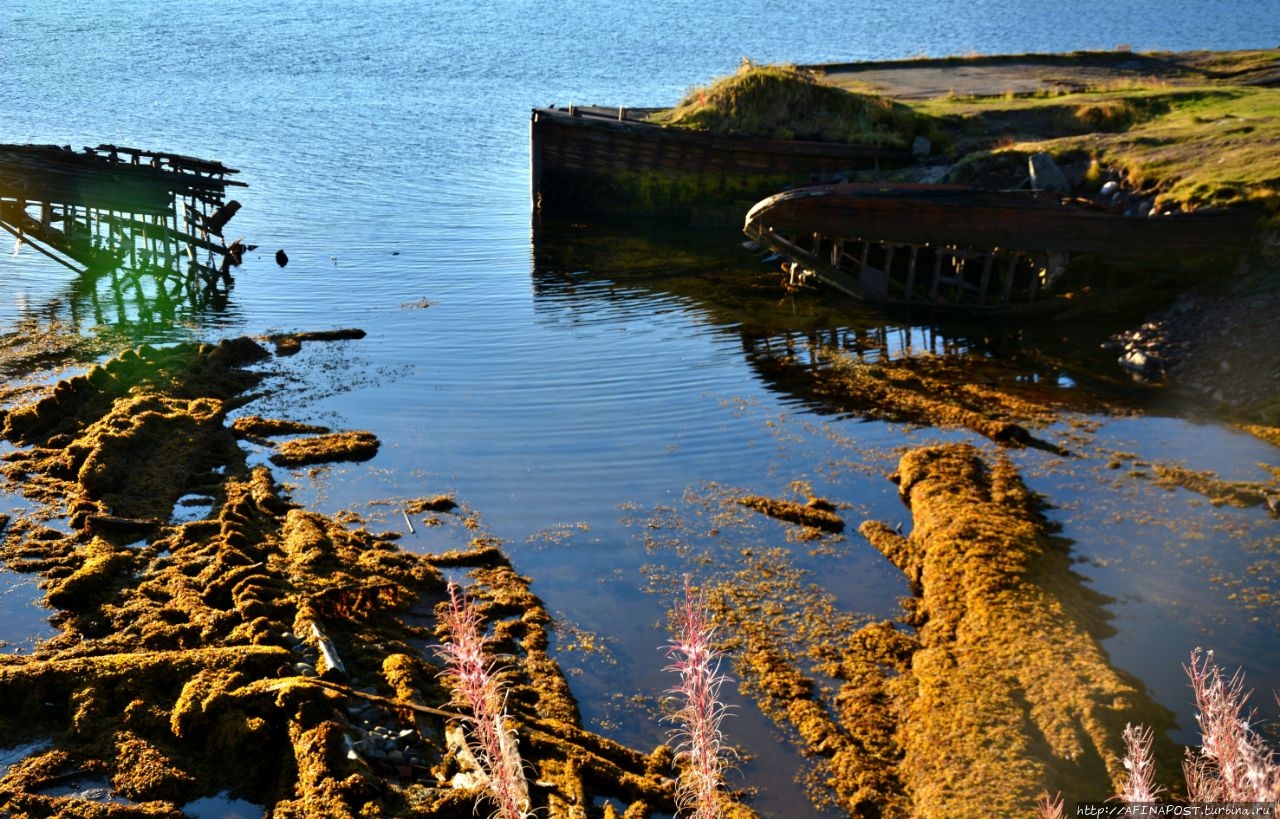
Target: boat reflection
[[786, 333], [143, 301]]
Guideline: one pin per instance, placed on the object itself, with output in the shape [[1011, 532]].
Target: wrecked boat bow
[[975, 248], [111, 207]]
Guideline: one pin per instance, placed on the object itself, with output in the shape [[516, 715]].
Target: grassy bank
[[1191, 130]]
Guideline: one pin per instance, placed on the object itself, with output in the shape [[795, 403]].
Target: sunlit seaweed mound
[[782, 102], [261, 651]]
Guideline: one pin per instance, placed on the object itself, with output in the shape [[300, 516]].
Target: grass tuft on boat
[[783, 102]]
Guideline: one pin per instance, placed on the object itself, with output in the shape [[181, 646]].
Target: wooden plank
[[1010, 272], [911, 271], [166, 232]]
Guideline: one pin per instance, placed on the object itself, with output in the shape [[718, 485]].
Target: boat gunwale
[[596, 117], [1233, 224]]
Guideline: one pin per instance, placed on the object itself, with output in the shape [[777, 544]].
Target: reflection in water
[[146, 301], [577, 267], [1175, 566], [143, 231], [25, 619]]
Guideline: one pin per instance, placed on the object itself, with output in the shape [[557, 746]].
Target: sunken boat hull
[[612, 162], [984, 249]]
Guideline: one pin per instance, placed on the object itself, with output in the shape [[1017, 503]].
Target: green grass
[[1195, 146], [1194, 132], [782, 102]]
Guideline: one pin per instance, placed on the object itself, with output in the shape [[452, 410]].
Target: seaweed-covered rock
[[337, 446]]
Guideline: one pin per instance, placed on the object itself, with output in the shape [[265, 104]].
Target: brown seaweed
[[201, 657]]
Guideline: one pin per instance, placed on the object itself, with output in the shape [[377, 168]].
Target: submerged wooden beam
[[911, 272]]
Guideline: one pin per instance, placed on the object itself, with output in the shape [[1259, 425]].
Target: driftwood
[[117, 523]]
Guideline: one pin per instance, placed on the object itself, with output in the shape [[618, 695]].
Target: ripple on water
[[23, 618], [222, 807]]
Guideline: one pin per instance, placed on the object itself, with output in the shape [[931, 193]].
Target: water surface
[[570, 386]]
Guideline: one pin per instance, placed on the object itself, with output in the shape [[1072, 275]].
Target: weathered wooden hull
[[944, 244], [610, 162]]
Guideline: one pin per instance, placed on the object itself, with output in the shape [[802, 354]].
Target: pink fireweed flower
[[1140, 783], [1233, 763], [477, 687], [1050, 807], [700, 748]]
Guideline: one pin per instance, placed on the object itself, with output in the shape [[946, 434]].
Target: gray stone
[[1046, 175], [920, 147]]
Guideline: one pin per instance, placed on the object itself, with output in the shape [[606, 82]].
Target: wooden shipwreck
[[110, 208], [976, 248], [615, 162]]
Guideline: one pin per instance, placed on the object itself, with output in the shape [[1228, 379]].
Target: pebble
[[375, 737]]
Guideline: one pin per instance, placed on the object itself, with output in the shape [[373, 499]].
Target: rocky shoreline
[[1212, 351]]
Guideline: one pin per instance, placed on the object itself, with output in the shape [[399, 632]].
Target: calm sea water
[[566, 388]]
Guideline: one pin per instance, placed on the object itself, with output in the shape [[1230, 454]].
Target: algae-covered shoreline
[[257, 651], [283, 656], [192, 658]]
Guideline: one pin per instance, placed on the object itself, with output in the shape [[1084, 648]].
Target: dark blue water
[[386, 148]]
